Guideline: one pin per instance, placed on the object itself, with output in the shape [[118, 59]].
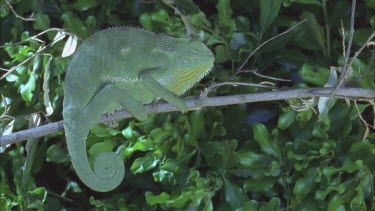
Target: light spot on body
[[125, 50]]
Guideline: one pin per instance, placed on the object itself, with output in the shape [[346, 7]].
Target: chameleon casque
[[124, 68]]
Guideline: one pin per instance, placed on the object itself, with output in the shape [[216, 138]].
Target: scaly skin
[[124, 68]]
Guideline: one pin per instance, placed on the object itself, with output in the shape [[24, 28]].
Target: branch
[[345, 66], [196, 104], [19, 16]]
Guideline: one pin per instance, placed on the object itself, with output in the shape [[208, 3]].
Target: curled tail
[[108, 168]]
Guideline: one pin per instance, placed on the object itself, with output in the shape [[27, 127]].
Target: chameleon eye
[[196, 46]]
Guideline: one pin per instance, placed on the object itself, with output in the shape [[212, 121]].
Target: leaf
[[31, 148], [336, 203], [97, 148], [70, 46], [197, 124], [286, 119], [37, 198], [264, 184], [307, 2], [314, 30], [56, 154], [74, 24], [60, 35], [317, 78], [46, 100], [84, 5], [305, 184], [144, 164], [102, 131], [225, 17], [27, 89], [325, 103], [142, 144], [160, 199], [273, 204], [42, 21], [233, 194], [269, 9], [263, 138]]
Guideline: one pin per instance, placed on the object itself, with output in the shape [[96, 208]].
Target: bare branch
[[356, 54], [267, 41], [269, 77], [343, 75], [19, 16], [197, 104]]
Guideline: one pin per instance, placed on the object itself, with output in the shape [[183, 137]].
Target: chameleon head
[[190, 60]]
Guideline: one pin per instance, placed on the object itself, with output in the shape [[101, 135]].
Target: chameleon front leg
[[160, 91], [108, 167]]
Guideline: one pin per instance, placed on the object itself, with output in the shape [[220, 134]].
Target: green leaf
[[4, 11], [142, 144], [160, 199], [264, 184], [56, 154], [41, 22], [74, 24], [305, 184], [103, 131], [27, 89], [269, 9], [144, 164], [225, 17], [317, 78], [272, 205], [197, 124], [233, 194], [37, 198], [307, 1], [105, 146], [286, 119], [84, 5], [314, 30], [336, 203], [263, 138]]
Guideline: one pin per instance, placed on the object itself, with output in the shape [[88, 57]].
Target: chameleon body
[[124, 68]]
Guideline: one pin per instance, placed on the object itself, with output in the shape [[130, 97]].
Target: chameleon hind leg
[[109, 94]]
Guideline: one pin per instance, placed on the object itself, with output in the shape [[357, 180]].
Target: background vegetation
[[259, 156]]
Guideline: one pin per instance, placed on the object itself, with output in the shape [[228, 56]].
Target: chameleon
[[124, 67]]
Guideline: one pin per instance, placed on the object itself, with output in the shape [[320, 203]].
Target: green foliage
[[217, 158]]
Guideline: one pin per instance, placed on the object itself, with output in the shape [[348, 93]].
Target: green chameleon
[[124, 68]]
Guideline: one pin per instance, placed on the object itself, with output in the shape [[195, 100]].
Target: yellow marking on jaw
[[190, 75], [184, 78]]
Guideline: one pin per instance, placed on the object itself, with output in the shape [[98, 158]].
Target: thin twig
[[369, 65], [214, 86], [269, 77], [19, 16], [41, 48], [35, 37], [343, 75], [267, 41], [23, 62], [343, 39], [356, 54], [367, 125], [328, 41], [197, 104], [239, 70]]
